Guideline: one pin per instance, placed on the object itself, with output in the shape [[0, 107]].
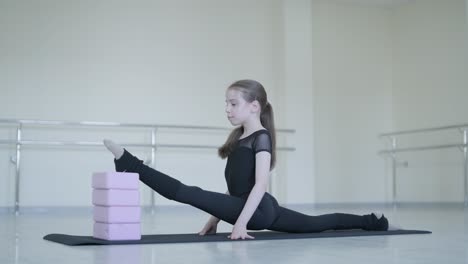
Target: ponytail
[[267, 120]]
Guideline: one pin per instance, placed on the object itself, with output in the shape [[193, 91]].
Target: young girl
[[250, 153]]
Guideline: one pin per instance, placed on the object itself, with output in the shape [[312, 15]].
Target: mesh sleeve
[[262, 143]]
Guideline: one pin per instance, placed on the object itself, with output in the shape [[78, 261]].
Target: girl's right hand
[[209, 228]]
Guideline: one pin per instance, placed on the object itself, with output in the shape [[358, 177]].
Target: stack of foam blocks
[[116, 200]]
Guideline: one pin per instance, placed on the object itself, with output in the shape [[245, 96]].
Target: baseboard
[[384, 205], [184, 207]]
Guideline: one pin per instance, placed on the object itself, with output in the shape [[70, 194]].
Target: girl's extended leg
[[222, 206], [295, 222]]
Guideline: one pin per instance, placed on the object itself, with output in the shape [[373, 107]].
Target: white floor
[[21, 240]]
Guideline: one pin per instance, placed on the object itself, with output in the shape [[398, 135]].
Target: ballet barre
[[394, 149], [21, 124]]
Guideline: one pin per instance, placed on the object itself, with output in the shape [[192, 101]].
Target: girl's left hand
[[240, 231]]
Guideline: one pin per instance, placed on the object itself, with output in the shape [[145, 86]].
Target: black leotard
[[240, 165]]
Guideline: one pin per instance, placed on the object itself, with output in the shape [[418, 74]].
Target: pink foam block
[[111, 197], [115, 180], [117, 231], [117, 214]]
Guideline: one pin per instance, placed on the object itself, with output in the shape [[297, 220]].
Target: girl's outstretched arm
[[262, 169]]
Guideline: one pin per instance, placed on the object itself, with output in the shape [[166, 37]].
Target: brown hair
[[252, 90]]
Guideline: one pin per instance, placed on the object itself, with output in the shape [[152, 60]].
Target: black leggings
[[268, 215]]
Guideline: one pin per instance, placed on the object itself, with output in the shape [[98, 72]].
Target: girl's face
[[237, 109]]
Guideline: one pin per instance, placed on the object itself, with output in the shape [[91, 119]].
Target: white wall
[[154, 55], [145, 61], [352, 104], [339, 72], [298, 180], [385, 67], [380, 68], [430, 89]]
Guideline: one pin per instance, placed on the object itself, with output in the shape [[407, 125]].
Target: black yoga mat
[[220, 237]]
